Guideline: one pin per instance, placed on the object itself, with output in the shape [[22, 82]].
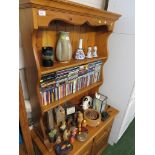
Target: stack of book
[[56, 85]]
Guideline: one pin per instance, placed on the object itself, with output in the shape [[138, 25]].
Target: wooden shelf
[[59, 66], [93, 25], [69, 97]]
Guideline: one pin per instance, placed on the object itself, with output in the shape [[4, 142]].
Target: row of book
[[57, 85]]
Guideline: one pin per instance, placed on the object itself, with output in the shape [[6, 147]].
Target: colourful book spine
[[45, 102], [42, 98], [59, 92], [64, 89], [49, 97], [74, 86], [56, 93]]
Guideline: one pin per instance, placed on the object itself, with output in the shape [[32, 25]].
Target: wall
[[92, 3], [22, 71], [119, 70]]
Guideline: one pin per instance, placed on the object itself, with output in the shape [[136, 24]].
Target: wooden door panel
[[101, 140], [86, 150]]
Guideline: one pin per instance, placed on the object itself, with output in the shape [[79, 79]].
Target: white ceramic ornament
[[89, 53], [95, 52], [86, 103], [79, 53]]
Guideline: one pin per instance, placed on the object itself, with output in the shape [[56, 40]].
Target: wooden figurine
[[58, 140], [63, 126], [73, 134], [84, 123], [66, 135], [75, 123], [69, 121], [52, 135], [80, 119]]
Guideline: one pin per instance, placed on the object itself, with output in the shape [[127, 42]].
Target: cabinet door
[[101, 140], [86, 150]]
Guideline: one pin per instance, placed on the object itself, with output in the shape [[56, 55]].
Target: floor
[[126, 145]]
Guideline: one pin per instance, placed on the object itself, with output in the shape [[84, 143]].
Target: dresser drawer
[[101, 140], [104, 132], [86, 150]]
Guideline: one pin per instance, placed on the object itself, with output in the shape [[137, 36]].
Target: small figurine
[[79, 53], [89, 53], [86, 103], [81, 136], [84, 123], [66, 135], [63, 126], [75, 123], [80, 119], [73, 134], [95, 52], [58, 140], [69, 121], [83, 129], [63, 148], [52, 134]]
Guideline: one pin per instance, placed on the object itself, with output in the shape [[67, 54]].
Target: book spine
[[45, 101]]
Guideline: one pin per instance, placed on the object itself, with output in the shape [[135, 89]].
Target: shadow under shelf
[[59, 66]]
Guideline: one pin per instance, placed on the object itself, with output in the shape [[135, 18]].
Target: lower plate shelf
[[69, 97]]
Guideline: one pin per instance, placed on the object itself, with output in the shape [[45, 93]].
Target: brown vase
[[64, 48]]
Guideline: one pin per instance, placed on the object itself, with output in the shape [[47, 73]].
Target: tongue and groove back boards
[[90, 35]]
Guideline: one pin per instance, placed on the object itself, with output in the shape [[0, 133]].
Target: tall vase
[[64, 48]]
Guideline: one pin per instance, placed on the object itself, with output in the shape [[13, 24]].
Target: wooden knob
[[105, 22]]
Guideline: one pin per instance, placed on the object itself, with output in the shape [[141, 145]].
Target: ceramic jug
[[64, 48]]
